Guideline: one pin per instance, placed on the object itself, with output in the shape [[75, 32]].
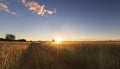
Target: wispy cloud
[[23, 1], [37, 8], [4, 7]]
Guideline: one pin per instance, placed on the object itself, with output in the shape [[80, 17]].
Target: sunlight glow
[[58, 40]]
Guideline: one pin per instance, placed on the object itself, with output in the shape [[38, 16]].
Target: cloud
[[23, 1], [31, 5], [37, 8], [5, 8], [51, 12]]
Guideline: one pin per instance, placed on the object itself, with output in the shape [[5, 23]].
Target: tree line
[[11, 37]]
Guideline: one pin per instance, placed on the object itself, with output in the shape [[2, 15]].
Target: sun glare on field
[[58, 40]]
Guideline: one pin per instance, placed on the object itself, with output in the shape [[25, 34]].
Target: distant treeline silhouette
[[11, 37]]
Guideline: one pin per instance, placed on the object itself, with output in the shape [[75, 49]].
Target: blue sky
[[68, 19]]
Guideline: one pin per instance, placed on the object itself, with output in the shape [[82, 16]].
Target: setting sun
[[58, 40]]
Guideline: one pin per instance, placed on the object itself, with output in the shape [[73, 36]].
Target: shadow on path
[[39, 56]]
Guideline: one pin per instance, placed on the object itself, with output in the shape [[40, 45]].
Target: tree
[[10, 37]]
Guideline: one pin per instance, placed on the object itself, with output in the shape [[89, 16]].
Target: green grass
[[67, 55]]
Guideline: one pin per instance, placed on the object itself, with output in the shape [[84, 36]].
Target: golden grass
[[10, 54], [66, 55]]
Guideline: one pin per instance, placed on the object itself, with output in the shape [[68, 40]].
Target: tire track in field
[[28, 58], [37, 50]]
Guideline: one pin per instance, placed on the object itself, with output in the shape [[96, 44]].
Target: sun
[[58, 40]]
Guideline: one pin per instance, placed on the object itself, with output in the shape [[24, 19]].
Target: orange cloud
[[37, 8], [31, 5], [5, 8]]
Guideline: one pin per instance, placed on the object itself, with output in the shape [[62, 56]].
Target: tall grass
[[67, 55], [10, 54]]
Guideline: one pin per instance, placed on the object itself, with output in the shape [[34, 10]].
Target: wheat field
[[66, 55]]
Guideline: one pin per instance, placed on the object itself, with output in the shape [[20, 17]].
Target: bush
[[22, 40], [53, 40], [2, 39]]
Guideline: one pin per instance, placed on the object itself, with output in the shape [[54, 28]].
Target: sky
[[68, 19]]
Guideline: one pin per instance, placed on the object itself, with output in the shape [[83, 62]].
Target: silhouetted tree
[[10, 37]]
